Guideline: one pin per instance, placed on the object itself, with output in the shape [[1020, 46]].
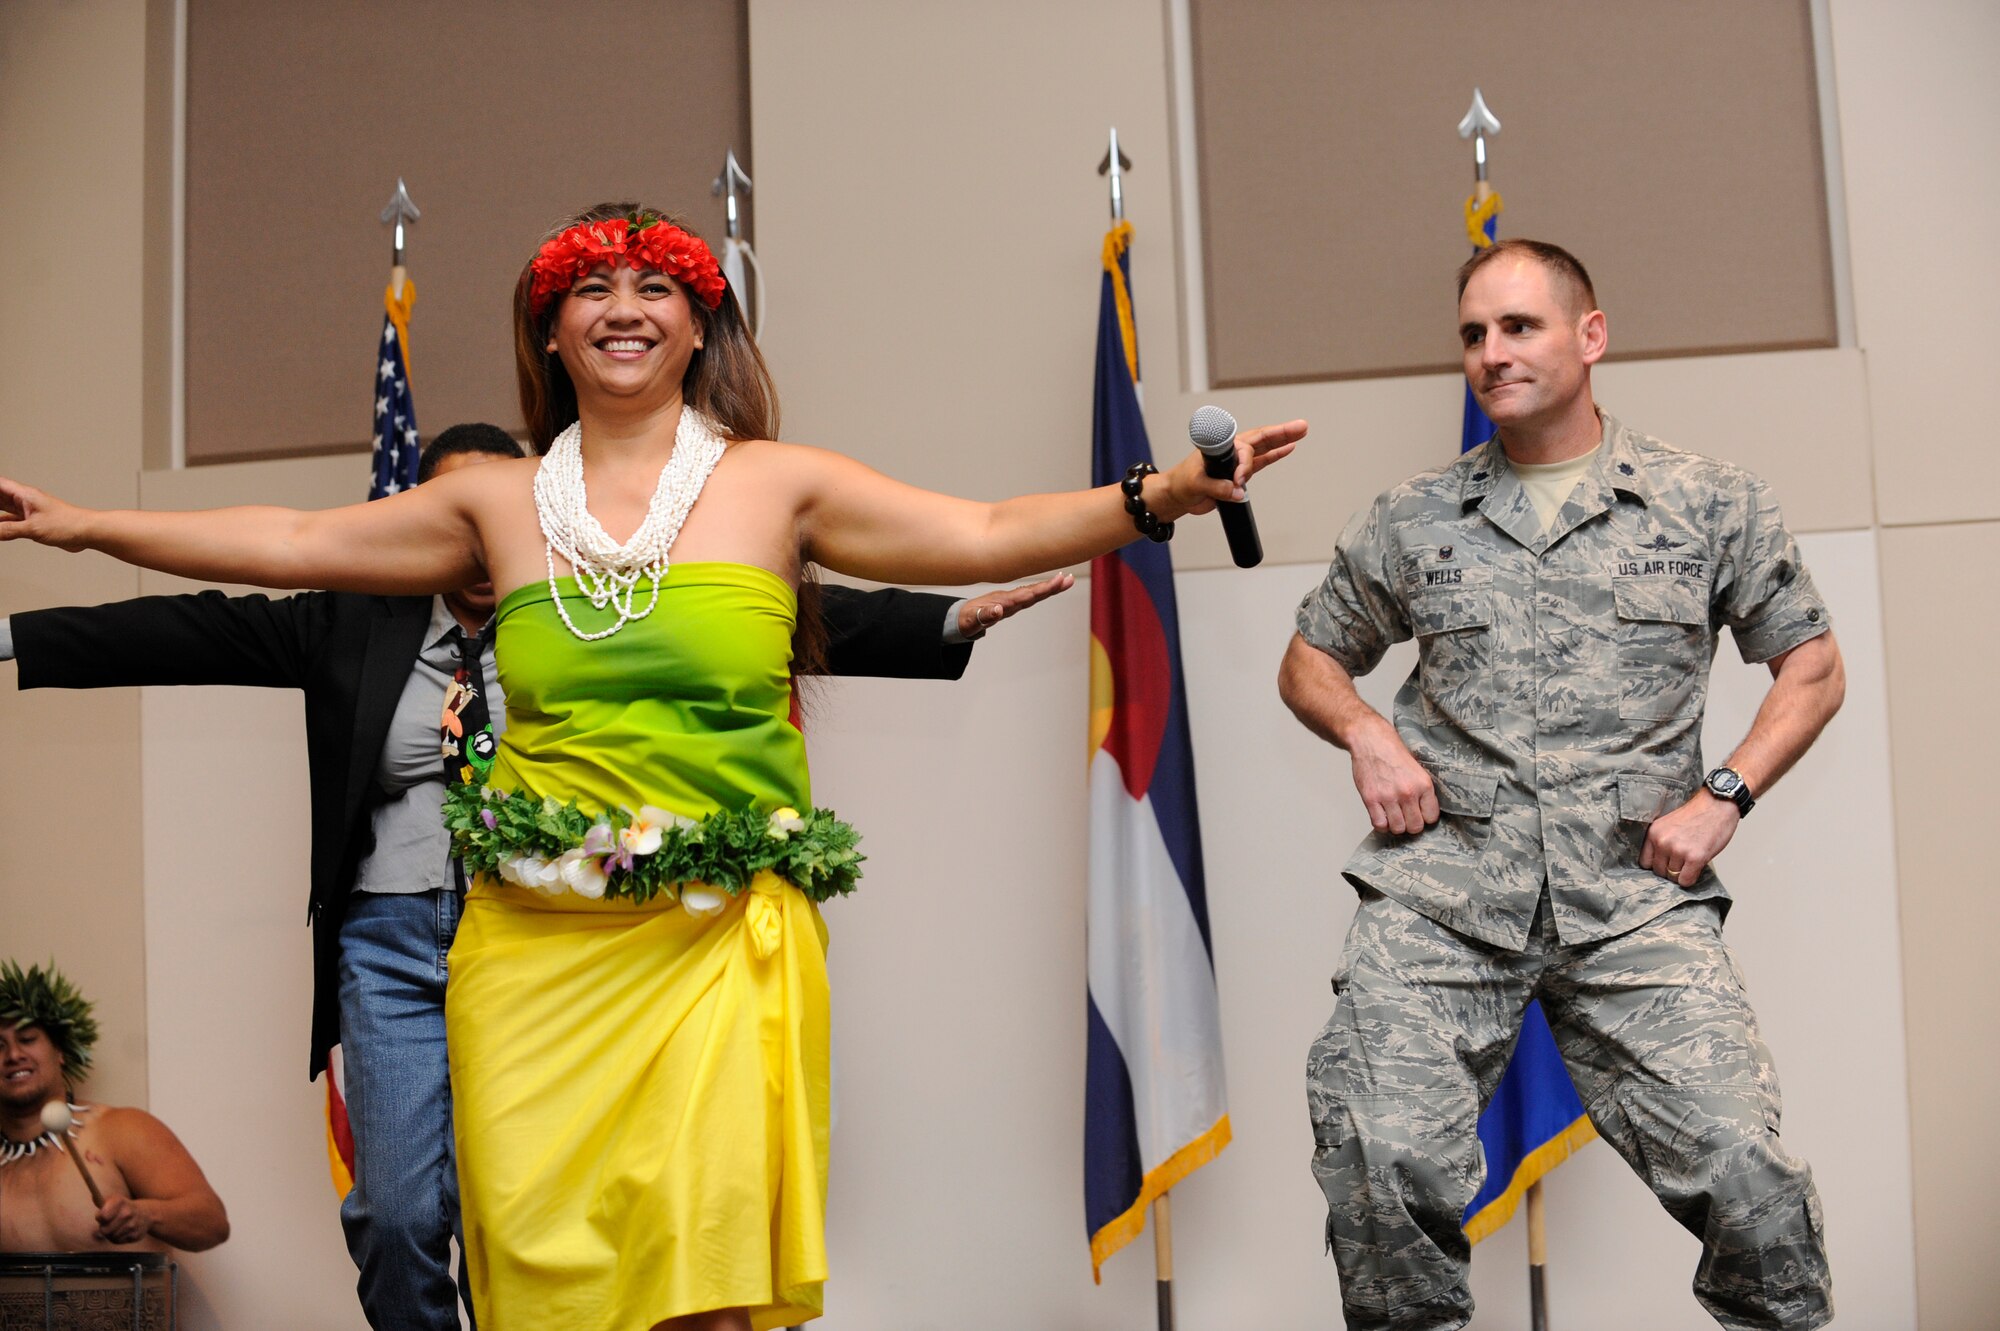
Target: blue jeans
[[402, 1215]]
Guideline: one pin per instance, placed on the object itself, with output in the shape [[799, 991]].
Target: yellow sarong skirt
[[641, 1107]]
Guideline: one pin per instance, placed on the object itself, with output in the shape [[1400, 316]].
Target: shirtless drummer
[[155, 1196]]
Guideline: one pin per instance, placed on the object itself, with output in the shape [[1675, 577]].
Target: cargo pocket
[[1465, 799], [1664, 643], [1676, 1131], [1710, 1156], [1396, 1190], [1454, 630], [1641, 800], [1326, 1107]]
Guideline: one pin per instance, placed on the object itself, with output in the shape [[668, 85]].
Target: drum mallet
[[57, 1119]]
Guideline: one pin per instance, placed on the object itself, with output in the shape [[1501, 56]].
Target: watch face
[[1724, 782]]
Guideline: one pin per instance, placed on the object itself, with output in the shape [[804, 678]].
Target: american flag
[[396, 444]]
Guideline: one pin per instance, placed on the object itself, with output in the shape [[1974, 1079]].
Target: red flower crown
[[644, 240]]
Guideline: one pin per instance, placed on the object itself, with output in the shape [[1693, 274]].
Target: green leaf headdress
[[44, 997]]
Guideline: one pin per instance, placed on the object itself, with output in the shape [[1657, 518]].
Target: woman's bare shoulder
[[769, 453], [496, 480], [769, 450]]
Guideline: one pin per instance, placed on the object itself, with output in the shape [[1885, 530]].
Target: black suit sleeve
[[205, 638], [892, 633]]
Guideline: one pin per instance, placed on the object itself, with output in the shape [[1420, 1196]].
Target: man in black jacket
[[375, 671]]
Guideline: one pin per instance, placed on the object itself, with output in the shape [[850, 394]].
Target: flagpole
[[1479, 121], [739, 261], [1481, 214], [399, 209], [1114, 166], [1538, 1259]]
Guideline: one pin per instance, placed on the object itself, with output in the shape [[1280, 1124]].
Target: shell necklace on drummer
[[11, 1150], [608, 573]]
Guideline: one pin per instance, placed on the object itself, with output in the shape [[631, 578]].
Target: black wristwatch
[[1726, 783]]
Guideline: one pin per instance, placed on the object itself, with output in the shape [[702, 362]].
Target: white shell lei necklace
[[10, 1151], [609, 573]]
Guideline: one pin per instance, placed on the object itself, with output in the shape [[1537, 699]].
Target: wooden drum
[[88, 1291]]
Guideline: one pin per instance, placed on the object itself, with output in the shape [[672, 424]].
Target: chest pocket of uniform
[[1454, 629], [1664, 644]]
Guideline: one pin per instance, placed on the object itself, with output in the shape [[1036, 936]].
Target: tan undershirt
[[1549, 483]]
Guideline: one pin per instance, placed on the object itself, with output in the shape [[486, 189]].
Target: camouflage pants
[[1664, 1050]]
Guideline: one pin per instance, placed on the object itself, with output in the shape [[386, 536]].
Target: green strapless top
[[688, 709]]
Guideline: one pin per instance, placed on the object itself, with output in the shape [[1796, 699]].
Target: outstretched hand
[[27, 514], [1195, 491], [983, 612]]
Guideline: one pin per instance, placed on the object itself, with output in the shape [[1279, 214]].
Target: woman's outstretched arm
[[423, 540], [860, 522]]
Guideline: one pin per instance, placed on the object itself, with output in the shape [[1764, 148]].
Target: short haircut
[[472, 438], [1565, 270]]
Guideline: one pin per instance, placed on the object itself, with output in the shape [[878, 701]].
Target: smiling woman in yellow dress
[[638, 1000]]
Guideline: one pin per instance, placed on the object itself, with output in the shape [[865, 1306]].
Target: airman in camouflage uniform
[[1553, 720]]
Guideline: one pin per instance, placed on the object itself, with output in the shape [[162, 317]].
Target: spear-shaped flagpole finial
[[1115, 165], [399, 210], [734, 179], [1478, 123]]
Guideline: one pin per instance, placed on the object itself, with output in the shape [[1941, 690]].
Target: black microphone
[[1214, 433]]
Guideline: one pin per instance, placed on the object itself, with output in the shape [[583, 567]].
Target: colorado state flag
[[1154, 1109]]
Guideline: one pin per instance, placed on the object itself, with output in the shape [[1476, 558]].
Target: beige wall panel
[[1918, 121], [229, 951], [931, 236], [1799, 419], [324, 482], [503, 117], [72, 78], [930, 225], [1941, 647], [1674, 148], [162, 229], [230, 990]]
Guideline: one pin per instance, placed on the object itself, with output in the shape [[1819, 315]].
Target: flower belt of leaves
[[554, 847]]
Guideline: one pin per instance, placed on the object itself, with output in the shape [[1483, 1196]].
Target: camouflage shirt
[[1561, 676]]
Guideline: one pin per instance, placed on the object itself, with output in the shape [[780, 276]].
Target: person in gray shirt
[[376, 673]]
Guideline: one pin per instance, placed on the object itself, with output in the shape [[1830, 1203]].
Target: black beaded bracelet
[[1143, 518]]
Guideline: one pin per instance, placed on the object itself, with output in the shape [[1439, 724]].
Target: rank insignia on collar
[[1478, 475], [1660, 542], [1626, 468]]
